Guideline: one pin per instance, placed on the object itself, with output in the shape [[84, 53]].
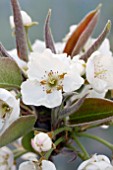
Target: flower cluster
[[50, 93]]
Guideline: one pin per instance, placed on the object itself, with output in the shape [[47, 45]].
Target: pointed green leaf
[[17, 129], [92, 111], [26, 141], [10, 75]]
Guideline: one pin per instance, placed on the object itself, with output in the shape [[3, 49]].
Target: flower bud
[[27, 21], [41, 142], [97, 162]]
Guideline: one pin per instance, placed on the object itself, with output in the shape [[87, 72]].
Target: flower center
[[5, 109], [100, 74], [52, 81], [99, 70]]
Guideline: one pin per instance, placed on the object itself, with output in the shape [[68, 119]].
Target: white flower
[[97, 162], [41, 142], [22, 64], [39, 46], [6, 159], [78, 64], [29, 156], [105, 47], [48, 77], [92, 93], [9, 109], [99, 71], [48, 165], [27, 21], [35, 165]]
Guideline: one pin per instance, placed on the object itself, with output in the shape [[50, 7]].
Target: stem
[[27, 109], [104, 142], [18, 152], [28, 40], [56, 132], [61, 139], [86, 155], [74, 149]]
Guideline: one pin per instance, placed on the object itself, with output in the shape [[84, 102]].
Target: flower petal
[[41, 64], [72, 81], [48, 165], [53, 99], [32, 93]]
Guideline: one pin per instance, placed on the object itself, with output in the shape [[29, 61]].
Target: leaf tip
[[108, 25], [49, 12], [98, 7]]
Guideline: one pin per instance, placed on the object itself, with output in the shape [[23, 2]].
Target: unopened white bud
[[41, 142]]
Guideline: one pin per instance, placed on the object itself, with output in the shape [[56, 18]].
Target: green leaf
[[10, 75], [17, 129], [92, 111], [26, 141]]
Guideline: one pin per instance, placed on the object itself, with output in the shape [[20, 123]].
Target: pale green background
[[64, 14]]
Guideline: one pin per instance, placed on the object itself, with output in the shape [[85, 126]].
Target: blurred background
[[64, 14]]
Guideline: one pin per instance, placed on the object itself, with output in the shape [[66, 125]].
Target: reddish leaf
[[19, 31], [82, 33]]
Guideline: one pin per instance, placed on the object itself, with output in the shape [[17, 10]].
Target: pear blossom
[[41, 142], [96, 162], [27, 21], [9, 109], [48, 77], [78, 64], [36, 165], [39, 46], [99, 71], [92, 93], [29, 156], [6, 159]]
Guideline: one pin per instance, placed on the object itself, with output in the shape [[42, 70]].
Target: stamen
[[52, 81], [61, 76], [43, 82], [48, 91], [99, 73]]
